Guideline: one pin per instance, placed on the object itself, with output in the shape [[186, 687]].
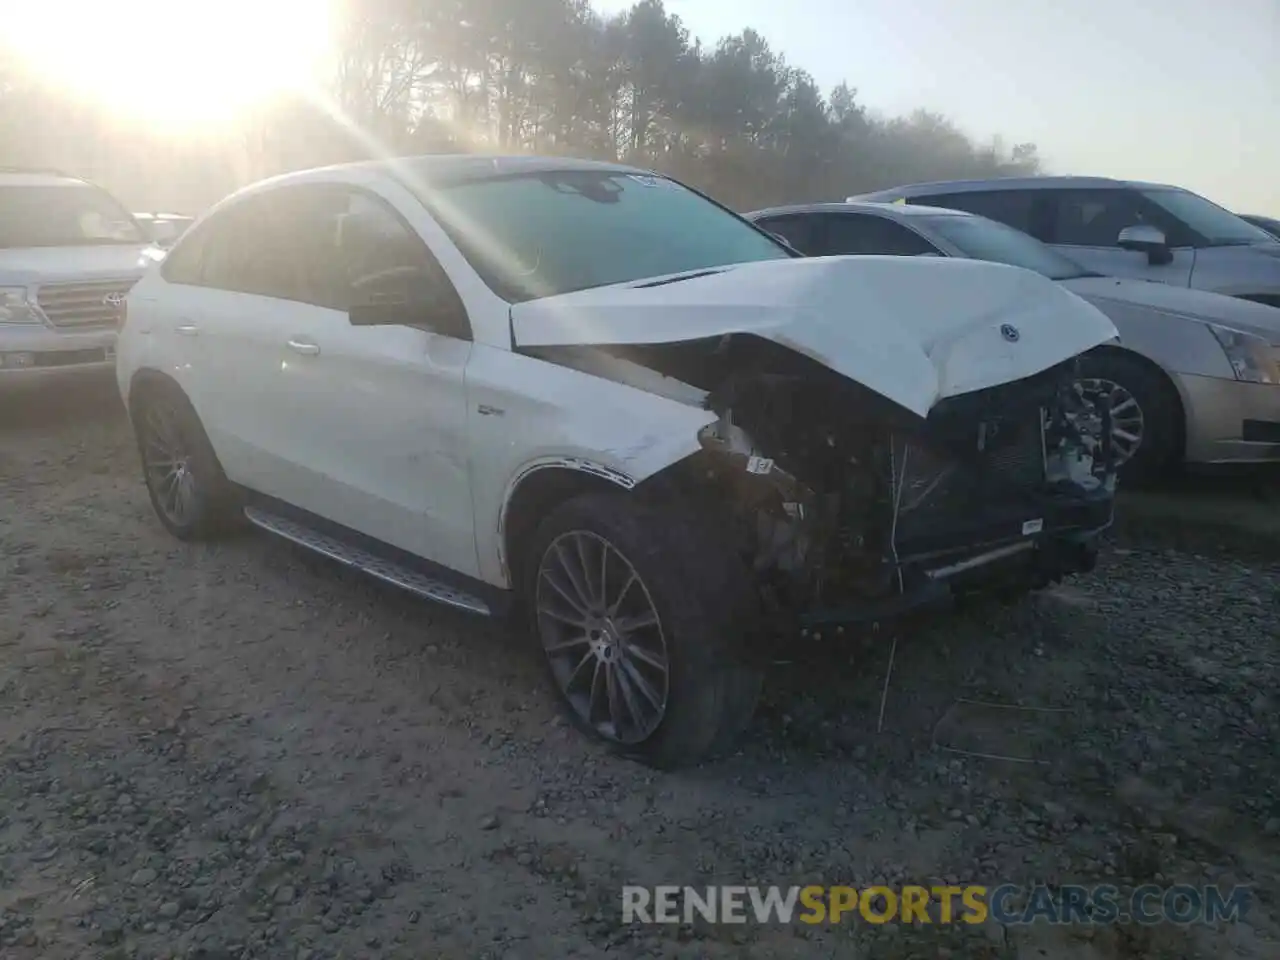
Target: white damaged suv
[[69, 252], [593, 396]]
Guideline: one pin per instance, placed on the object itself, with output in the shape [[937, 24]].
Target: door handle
[[187, 330], [304, 348]]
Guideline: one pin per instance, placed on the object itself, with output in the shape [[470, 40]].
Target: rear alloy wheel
[[603, 637], [643, 618], [167, 459], [188, 489]]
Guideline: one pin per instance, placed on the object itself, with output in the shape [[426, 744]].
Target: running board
[[388, 571]]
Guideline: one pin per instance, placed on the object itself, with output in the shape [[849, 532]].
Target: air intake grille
[[930, 480]]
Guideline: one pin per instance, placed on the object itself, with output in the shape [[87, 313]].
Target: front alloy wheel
[[643, 617], [602, 636]]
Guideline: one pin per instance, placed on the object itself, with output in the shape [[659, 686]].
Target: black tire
[[1160, 449], [705, 611], [743, 683], [166, 425]]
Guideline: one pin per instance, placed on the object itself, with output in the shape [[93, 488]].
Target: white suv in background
[[1121, 228], [69, 252]]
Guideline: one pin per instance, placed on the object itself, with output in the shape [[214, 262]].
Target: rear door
[[227, 323], [209, 326]]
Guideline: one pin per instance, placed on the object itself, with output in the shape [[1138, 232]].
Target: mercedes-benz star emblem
[[1009, 332], [113, 300]]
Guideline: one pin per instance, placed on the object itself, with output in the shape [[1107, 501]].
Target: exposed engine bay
[[847, 506]]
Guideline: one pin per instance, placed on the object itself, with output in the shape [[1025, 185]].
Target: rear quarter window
[[183, 264], [1016, 208]]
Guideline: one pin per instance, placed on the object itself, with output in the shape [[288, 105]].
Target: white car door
[[214, 328], [370, 421]]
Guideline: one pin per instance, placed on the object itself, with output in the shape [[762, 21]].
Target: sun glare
[[178, 64]]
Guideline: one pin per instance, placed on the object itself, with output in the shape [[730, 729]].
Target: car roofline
[[993, 184], [874, 208], [430, 171]]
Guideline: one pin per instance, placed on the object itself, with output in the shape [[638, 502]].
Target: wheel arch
[[541, 486], [147, 379], [1166, 379]]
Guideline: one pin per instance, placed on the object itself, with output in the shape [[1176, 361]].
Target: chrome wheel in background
[[1128, 424]]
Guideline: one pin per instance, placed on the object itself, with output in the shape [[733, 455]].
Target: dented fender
[[540, 416]]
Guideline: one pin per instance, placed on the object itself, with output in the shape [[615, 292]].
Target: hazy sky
[[1178, 91]]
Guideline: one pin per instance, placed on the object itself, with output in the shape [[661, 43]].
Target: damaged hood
[[916, 330]]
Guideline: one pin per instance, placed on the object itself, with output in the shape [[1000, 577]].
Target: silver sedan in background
[[1195, 377]]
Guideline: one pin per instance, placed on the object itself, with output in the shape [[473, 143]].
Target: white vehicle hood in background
[[25, 266], [916, 330], [1182, 303]]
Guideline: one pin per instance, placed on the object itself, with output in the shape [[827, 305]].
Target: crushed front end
[[852, 513]]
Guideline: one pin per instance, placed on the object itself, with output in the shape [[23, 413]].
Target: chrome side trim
[[982, 559], [550, 463]]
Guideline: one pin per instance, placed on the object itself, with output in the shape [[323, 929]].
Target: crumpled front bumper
[[1011, 550]]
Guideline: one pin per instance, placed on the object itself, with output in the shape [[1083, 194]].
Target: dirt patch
[[242, 751]]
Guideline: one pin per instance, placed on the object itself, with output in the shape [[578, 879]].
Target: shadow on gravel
[[1255, 481], [1235, 512], [51, 404]]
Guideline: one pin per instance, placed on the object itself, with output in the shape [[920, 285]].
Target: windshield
[[538, 235], [1219, 226], [65, 215], [981, 239]]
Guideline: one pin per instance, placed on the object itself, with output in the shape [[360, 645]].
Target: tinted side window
[[1094, 218], [351, 248], [184, 262], [239, 249], [796, 229], [1016, 208], [852, 233], [379, 253]]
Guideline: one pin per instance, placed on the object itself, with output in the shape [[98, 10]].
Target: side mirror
[[445, 318], [1144, 238], [397, 298]]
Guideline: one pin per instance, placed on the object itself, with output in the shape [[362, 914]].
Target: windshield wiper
[[687, 276]]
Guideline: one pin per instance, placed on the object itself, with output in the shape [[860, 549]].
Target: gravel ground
[[242, 751]]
